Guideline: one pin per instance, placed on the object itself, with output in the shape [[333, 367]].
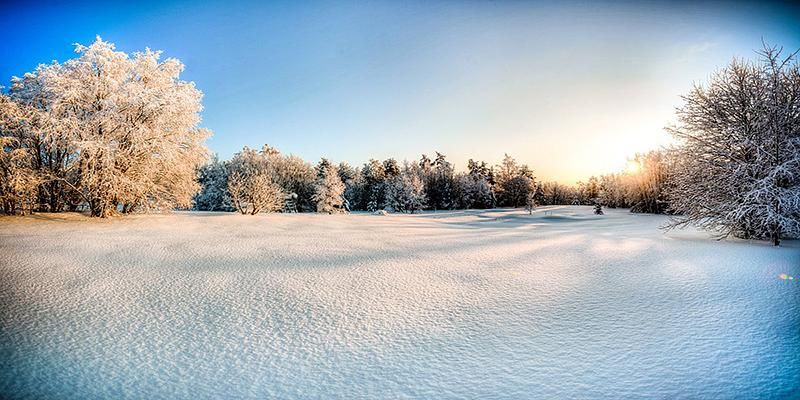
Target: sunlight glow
[[632, 167]]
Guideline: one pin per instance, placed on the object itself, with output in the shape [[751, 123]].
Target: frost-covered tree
[[116, 132], [329, 194], [390, 168], [213, 194], [614, 190], [534, 198], [738, 163], [253, 194], [481, 169], [425, 166], [353, 185], [251, 184], [475, 191], [322, 167], [293, 175], [514, 182], [530, 203], [405, 192], [37, 131], [439, 180], [538, 195], [374, 178], [650, 182], [346, 172], [589, 192], [475, 188], [556, 193], [19, 181]]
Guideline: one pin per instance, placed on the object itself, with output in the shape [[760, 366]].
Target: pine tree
[[213, 194], [598, 209], [475, 191], [329, 194], [439, 181], [405, 193], [352, 185], [390, 168], [374, 185]]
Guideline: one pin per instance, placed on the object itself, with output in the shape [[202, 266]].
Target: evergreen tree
[[475, 191], [390, 168], [598, 209], [322, 167], [439, 183], [213, 194], [329, 194], [374, 185], [405, 193], [352, 185]]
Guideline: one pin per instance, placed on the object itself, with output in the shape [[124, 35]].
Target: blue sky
[[570, 88]]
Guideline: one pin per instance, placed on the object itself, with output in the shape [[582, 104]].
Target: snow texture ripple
[[489, 304]]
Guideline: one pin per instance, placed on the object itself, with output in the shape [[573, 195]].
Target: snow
[[467, 304]]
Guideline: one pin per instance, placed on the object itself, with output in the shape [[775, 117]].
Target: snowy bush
[[598, 209], [738, 165], [251, 183], [253, 194]]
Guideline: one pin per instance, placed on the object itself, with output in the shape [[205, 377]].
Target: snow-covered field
[[494, 304]]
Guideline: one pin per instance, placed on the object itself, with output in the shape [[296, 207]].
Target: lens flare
[[786, 277]]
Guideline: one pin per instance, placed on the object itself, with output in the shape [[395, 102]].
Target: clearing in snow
[[468, 304]]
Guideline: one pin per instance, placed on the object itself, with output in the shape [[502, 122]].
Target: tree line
[[112, 133], [266, 180]]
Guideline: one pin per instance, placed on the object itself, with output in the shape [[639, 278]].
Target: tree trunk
[[99, 208]]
